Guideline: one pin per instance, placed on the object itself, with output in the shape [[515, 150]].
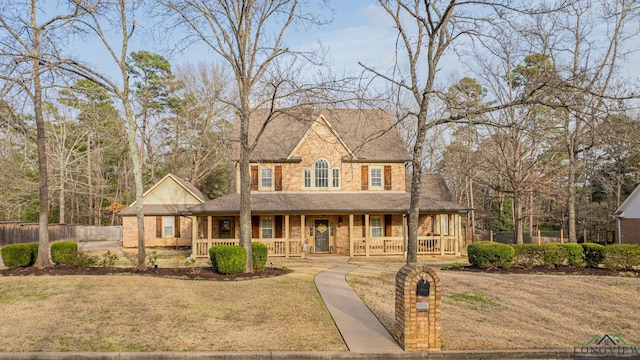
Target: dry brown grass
[[500, 311], [138, 313]]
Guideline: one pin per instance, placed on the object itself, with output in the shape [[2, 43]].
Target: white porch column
[[209, 232], [194, 236], [286, 236], [441, 234], [351, 235], [303, 233], [366, 235], [458, 229]]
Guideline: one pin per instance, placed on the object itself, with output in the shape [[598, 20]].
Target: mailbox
[[422, 288]]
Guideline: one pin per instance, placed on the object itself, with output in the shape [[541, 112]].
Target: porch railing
[[395, 245], [276, 247]]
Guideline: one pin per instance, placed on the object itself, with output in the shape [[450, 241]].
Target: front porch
[[293, 235]]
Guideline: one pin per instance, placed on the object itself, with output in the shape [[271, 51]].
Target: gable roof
[[369, 134], [628, 203], [167, 209]]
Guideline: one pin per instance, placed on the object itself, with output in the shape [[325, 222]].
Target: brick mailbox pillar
[[418, 301]]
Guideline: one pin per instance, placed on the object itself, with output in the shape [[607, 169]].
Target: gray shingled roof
[[431, 186], [370, 134], [382, 202], [171, 209]]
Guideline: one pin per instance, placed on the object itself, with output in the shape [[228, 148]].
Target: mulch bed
[[542, 270], [176, 273]]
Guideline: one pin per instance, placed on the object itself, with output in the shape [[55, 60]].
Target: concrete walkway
[[360, 329]]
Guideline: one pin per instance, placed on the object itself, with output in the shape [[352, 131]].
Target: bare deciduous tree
[[248, 36]]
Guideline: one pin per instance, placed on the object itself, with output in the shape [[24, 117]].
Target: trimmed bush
[[17, 255], [552, 255], [486, 254], [229, 259], [621, 257], [212, 257], [34, 251], [593, 254], [528, 255], [64, 252], [259, 254], [573, 254]]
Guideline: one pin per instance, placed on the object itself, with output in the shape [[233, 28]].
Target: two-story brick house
[[331, 181]]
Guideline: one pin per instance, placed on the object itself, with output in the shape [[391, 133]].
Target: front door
[[322, 235]]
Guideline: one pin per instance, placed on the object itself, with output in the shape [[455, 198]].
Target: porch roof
[[325, 202]]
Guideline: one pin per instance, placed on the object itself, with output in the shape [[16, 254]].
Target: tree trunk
[[571, 197], [245, 190], [43, 219], [517, 218], [137, 172], [416, 163]]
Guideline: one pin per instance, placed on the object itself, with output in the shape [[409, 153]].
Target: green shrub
[[593, 254], [34, 251], [85, 260], [573, 254], [621, 257], [17, 255], [552, 255], [212, 257], [152, 258], [64, 252], [485, 255], [259, 254], [107, 259], [528, 255], [229, 259]]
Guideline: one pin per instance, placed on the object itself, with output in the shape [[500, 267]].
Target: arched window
[[322, 173]]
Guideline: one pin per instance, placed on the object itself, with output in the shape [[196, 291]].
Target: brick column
[[418, 316]]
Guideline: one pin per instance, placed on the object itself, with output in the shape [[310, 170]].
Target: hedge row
[[232, 259], [485, 254], [22, 255]]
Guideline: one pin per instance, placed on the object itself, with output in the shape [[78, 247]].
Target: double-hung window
[[167, 226], [266, 178], [266, 228], [376, 177], [376, 226]]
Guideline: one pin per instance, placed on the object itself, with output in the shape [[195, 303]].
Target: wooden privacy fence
[[18, 233]]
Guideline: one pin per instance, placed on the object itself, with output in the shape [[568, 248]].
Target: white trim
[[376, 187]]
